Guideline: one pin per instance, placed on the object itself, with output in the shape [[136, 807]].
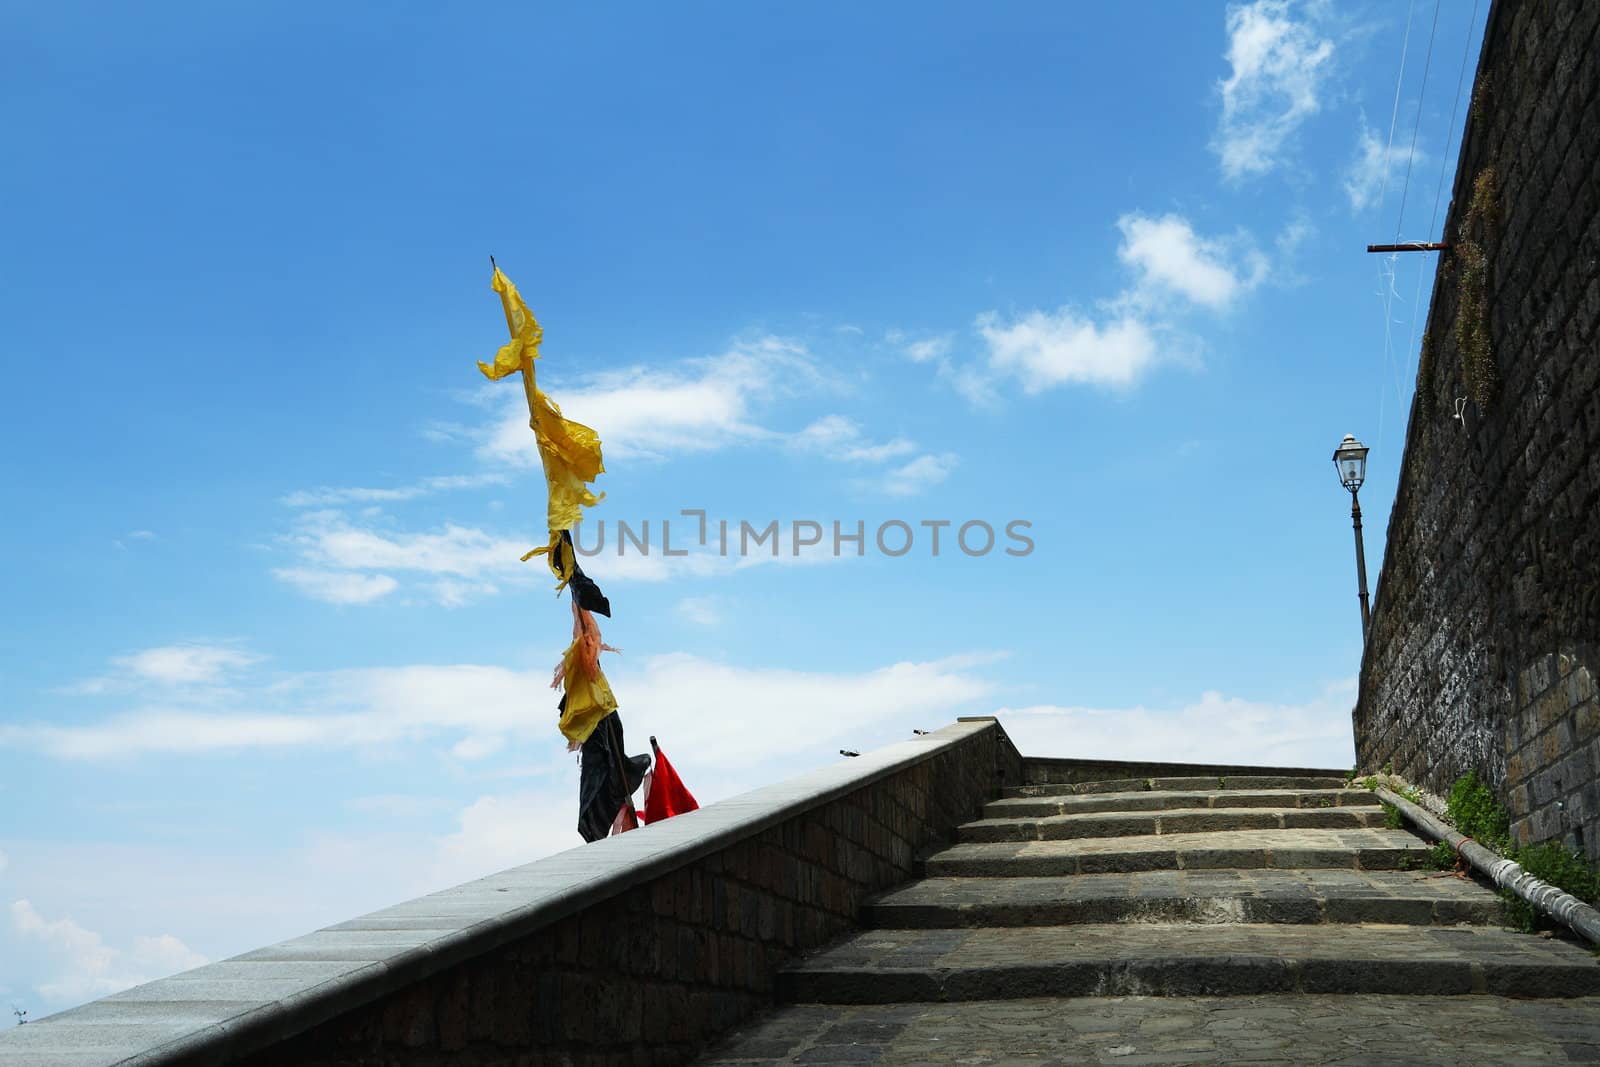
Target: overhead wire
[[1438, 191], [1386, 265], [1402, 365], [1461, 79], [1427, 64]]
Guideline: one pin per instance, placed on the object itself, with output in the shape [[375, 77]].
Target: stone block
[[1551, 707], [1580, 687], [1518, 801], [1549, 748]]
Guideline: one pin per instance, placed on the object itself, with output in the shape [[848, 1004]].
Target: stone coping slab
[[884, 966], [1255, 896], [236, 1006], [1364, 849], [1135, 1031]]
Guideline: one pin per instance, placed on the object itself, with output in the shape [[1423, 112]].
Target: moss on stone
[[1478, 229]]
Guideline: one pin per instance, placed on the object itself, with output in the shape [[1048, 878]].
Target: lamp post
[[1350, 459]]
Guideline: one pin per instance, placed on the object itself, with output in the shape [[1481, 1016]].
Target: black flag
[[600, 794]]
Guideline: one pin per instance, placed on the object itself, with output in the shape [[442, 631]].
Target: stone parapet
[[636, 949]]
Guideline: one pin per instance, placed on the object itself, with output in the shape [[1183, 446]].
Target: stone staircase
[[1234, 918]]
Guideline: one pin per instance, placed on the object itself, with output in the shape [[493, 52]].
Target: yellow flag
[[570, 451], [525, 332], [571, 454], [588, 699]]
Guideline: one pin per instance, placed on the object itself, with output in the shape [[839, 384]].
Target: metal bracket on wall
[[1412, 246]]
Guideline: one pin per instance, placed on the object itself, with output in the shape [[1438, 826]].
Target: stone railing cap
[[236, 1006]]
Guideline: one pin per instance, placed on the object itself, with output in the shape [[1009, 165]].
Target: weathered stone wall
[[1485, 641], [648, 976]]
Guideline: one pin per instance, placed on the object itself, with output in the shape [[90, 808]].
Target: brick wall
[[649, 975], [1485, 640]]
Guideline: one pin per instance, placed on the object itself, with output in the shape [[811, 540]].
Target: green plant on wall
[[1425, 406], [1475, 811], [1479, 108], [1479, 228]]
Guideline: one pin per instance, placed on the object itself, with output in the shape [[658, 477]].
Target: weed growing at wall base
[[1475, 812], [1473, 809], [1442, 856]]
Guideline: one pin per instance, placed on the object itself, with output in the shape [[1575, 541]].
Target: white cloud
[[1213, 729], [398, 805], [328, 497], [142, 535], [920, 474], [1173, 268], [346, 562], [85, 966], [1170, 257], [460, 564], [477, 746], [337, 587], [697, 406], [1044, 349], [185, 664], [970, 381], [475, 704], [840, 438], [88, 687], [1373, 164], [929, 349], [461, 551], [700, 610], [1279, 64], [497, 832]]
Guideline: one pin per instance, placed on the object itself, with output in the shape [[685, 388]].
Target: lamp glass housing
[[1350, 458]]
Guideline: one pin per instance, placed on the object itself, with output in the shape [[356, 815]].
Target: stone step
[[1021, 807], [889, 966], [1302, 1029], [1373, 850], [1162, 823], [1262, 896], [1140, 785]]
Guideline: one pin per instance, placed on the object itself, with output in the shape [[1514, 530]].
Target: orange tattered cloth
[[588, 694]]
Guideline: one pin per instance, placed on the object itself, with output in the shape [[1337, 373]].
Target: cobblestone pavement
[[1184, 920], [1301, 896], [1367, 849], [987, 946], [1226, 784], [1171, 821], [982, 962], [1383, 1031]]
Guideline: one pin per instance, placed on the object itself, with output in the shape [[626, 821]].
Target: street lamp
[[1350, 459]]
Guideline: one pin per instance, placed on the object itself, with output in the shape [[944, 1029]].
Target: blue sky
[[272, 660]]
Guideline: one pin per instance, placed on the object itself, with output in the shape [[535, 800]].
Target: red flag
[[666, 796]]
